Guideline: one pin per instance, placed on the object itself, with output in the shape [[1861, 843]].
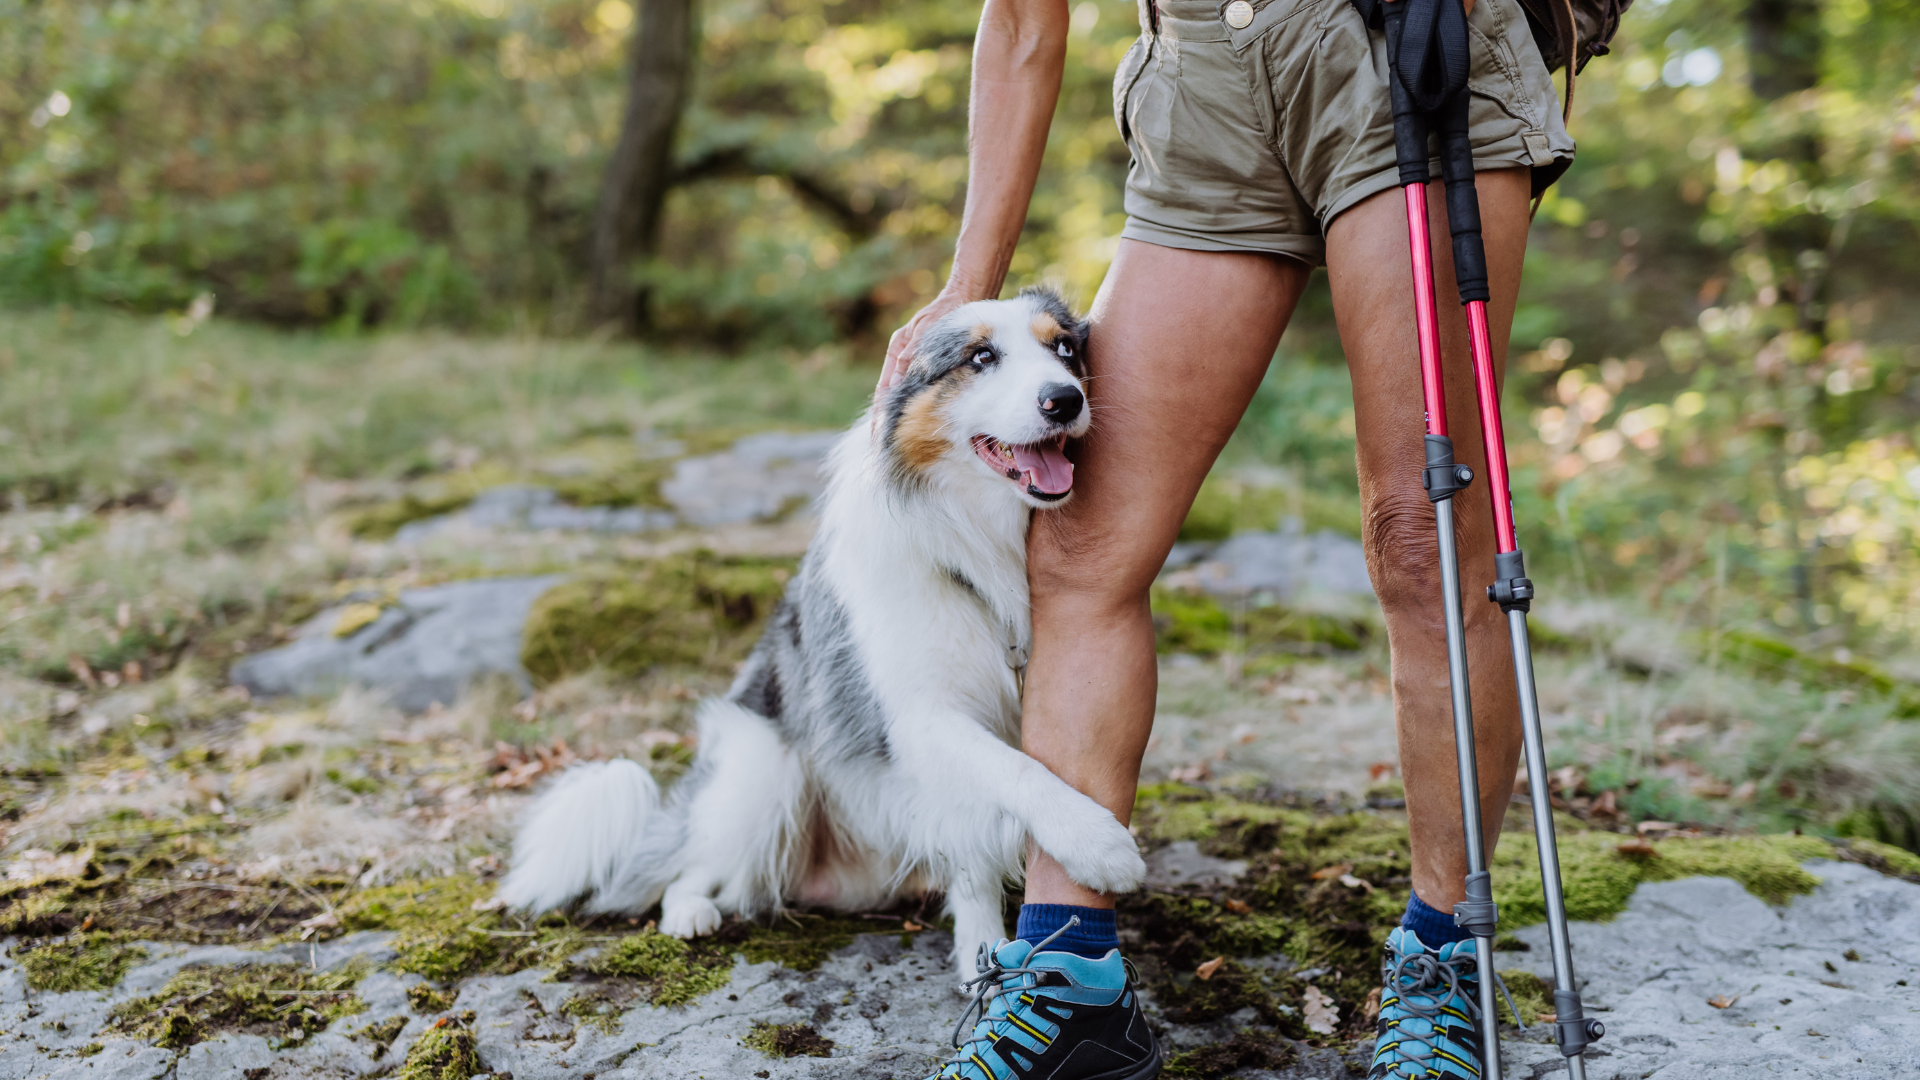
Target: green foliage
[[446, 1051], [284, 1002], [96, 961], [689, 609], [787, 1040]]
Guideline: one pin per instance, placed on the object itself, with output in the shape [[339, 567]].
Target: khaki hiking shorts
[[1253, 138]]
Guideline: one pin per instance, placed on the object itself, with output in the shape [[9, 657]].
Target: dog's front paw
[[688, 916], [1096, 851]]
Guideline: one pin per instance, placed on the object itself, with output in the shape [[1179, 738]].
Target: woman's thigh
[[1180, 341], [1368, 267]]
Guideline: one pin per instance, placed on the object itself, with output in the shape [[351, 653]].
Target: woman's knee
[[1403, 555]]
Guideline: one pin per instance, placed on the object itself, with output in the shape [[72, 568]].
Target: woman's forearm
[[1018, 58]]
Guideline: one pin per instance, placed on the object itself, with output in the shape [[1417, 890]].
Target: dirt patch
[[1248, 1049]]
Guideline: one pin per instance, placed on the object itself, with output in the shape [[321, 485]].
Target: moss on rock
[[445, 1051], [284, 1002], [787, 1040], [1532, 995], [1249, 1048], [1323, 890], [427, 998], [96, 961], [667, 967], [689, 609], [1191, 622]]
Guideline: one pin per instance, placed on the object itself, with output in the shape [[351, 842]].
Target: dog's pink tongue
[[1047, 468]]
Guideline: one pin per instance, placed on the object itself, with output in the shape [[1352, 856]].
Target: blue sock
[[1096, 935], [1434, 928]]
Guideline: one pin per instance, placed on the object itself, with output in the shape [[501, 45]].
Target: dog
[[867, 750]]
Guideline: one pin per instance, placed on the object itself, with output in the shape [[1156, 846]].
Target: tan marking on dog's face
[[921, 437], [1047, 329]]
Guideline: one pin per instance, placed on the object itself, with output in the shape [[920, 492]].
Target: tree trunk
[[626, 226], [1783, 47]]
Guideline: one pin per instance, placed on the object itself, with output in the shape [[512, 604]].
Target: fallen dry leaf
[[1326, 872], [1721, 1001], [1646, 827], [1205, 971], [1637, 849], [488, 903], [1321, 1013], [1352, 882], [1371, 1010], [1379, 769], [909, 926], [1239, 907], [353, 618], [1607, 805]]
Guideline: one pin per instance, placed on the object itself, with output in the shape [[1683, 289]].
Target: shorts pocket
[[1123, 80]]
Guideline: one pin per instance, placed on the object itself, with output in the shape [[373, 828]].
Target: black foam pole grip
[[1463, 201], [1409, 124]]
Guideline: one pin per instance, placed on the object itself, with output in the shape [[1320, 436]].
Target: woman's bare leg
[[1180, 342], [1367, 265]]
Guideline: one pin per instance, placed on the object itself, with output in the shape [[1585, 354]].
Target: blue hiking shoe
[[1429, 1025], [1054, 1015]]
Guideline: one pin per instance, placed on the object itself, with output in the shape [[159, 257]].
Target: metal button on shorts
[[1239, 14]]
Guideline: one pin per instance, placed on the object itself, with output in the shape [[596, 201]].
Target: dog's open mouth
[[1042, 467]]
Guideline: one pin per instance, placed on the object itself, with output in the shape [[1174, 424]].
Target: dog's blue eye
[[1064, 348]]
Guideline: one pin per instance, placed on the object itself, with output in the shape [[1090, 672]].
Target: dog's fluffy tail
[[583, 835]]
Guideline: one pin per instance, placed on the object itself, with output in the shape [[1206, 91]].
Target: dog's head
[[994, 392]]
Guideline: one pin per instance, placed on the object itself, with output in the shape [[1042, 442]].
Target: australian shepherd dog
[[868, 750]]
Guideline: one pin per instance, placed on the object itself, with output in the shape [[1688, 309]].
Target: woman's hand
[[901, 346]]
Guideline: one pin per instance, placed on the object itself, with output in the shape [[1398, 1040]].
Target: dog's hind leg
[[742, 822]]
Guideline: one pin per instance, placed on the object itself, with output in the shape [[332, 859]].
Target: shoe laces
[[988, 986], [1417, 980]]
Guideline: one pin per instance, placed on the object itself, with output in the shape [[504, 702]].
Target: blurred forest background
[[1713, 394]]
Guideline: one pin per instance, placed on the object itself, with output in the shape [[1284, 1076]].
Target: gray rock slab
[[1798, 1007], [427, 647], [888, 1001], [759, 478], [1290, 564], [534, 509]]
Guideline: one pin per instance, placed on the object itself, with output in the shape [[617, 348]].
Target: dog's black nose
[[1061, 403]]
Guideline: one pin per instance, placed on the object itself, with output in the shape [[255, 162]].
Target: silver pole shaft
[[1542, 802], [1469, 771]]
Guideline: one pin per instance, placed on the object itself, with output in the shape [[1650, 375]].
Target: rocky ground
[[288, 876]]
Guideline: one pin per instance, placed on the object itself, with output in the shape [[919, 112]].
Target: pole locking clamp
[[1442, 481]]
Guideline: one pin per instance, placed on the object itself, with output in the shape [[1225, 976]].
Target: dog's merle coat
[[867, 749]]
